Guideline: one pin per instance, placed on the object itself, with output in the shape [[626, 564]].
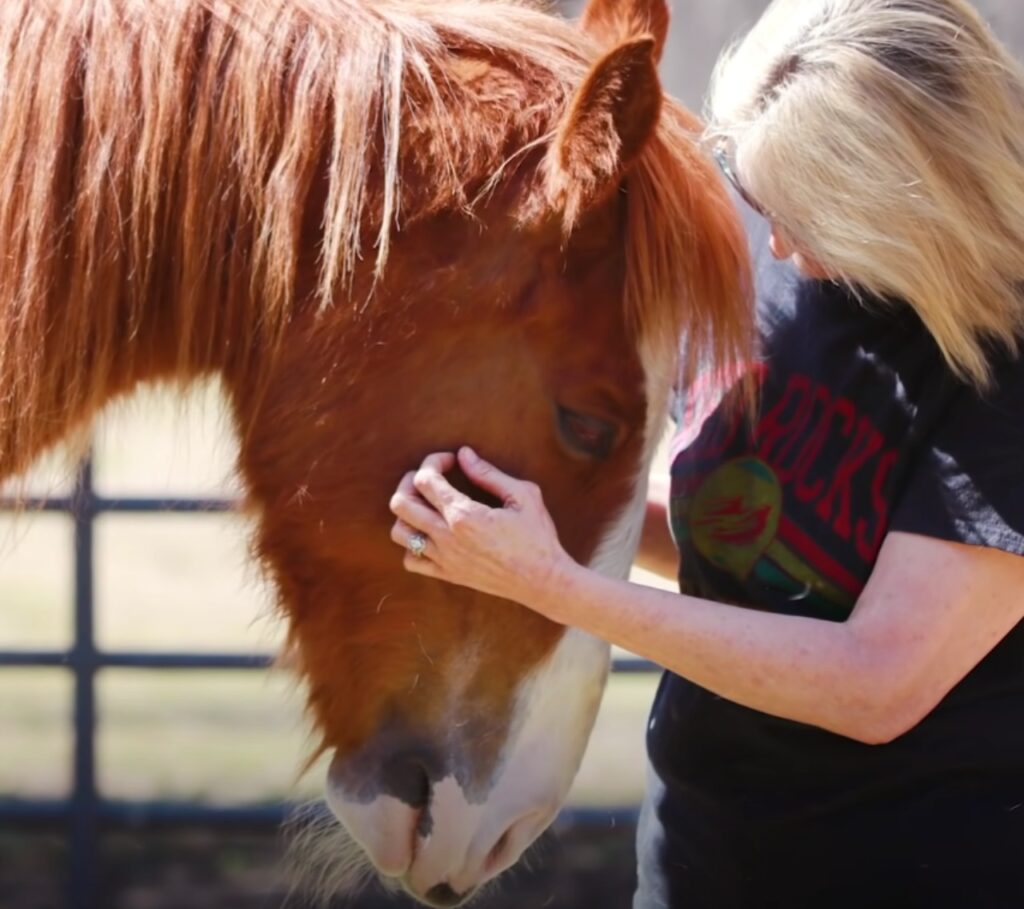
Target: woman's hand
[[511, 552]]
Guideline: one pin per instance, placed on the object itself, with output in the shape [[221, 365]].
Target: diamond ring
[[417, 545]]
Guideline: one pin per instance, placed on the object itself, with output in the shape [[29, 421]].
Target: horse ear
[[609, 121], [613, 21]]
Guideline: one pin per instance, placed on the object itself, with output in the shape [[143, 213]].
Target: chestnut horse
[[390, 227]]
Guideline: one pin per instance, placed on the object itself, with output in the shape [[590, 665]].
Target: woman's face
[[783, 247]]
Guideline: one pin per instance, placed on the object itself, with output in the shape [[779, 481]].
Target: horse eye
[[587, 435]]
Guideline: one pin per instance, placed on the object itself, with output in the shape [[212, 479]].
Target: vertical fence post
[[84, 823]]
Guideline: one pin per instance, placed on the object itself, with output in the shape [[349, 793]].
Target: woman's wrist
[[555, 595]]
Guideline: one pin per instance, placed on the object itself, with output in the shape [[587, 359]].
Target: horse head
[[455, 722], [393, 227]]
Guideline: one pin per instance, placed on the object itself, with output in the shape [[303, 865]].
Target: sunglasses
[[729, 172]]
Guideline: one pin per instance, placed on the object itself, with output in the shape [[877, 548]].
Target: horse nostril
[[419, 785], [408, 779], [511, 843], [443, 896]]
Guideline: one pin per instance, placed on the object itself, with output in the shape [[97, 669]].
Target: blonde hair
[[886, 139]]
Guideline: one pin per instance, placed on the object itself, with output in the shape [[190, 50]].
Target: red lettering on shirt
[[782, 426], [806, 490], [868, 545], [866, 443]]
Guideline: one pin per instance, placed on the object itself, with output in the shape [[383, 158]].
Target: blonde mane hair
[[177, 155], [886, 139]]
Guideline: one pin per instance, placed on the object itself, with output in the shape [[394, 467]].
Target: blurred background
[[235, 737]]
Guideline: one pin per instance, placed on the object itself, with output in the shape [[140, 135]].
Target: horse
[[390, 227]]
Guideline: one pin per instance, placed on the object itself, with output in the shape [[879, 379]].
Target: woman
[[852, 732]]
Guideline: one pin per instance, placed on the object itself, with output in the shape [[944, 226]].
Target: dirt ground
[[582, 868]]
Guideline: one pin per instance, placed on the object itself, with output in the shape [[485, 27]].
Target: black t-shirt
[[861, 430]]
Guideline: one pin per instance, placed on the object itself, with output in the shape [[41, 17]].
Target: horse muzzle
[[429, 836]]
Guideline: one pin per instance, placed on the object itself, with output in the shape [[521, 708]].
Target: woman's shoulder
[[967, 484]]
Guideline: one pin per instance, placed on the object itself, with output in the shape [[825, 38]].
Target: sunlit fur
[[886, 138]]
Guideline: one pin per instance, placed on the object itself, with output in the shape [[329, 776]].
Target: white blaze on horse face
[[470, 840]]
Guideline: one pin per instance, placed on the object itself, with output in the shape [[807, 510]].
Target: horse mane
[[172, 156]]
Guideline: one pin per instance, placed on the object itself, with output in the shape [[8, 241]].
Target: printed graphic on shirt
[[794, 508], [736, 522]]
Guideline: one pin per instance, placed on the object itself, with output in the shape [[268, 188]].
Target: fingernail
[[469, 455]]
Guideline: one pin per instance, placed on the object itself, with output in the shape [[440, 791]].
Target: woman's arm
[[929, 613], [657, 552]]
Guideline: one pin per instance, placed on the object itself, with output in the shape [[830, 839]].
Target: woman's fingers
[[441, 461], [414, 510], [512, 492], [431, 484], [425, 567], [506, 552]]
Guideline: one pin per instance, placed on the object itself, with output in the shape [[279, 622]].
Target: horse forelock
[[688, 281]]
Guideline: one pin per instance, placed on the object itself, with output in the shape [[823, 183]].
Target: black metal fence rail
[[85, 812]]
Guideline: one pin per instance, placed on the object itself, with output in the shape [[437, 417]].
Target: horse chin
[[323, 861]]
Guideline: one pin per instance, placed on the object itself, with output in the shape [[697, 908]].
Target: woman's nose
[[780, 246]]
